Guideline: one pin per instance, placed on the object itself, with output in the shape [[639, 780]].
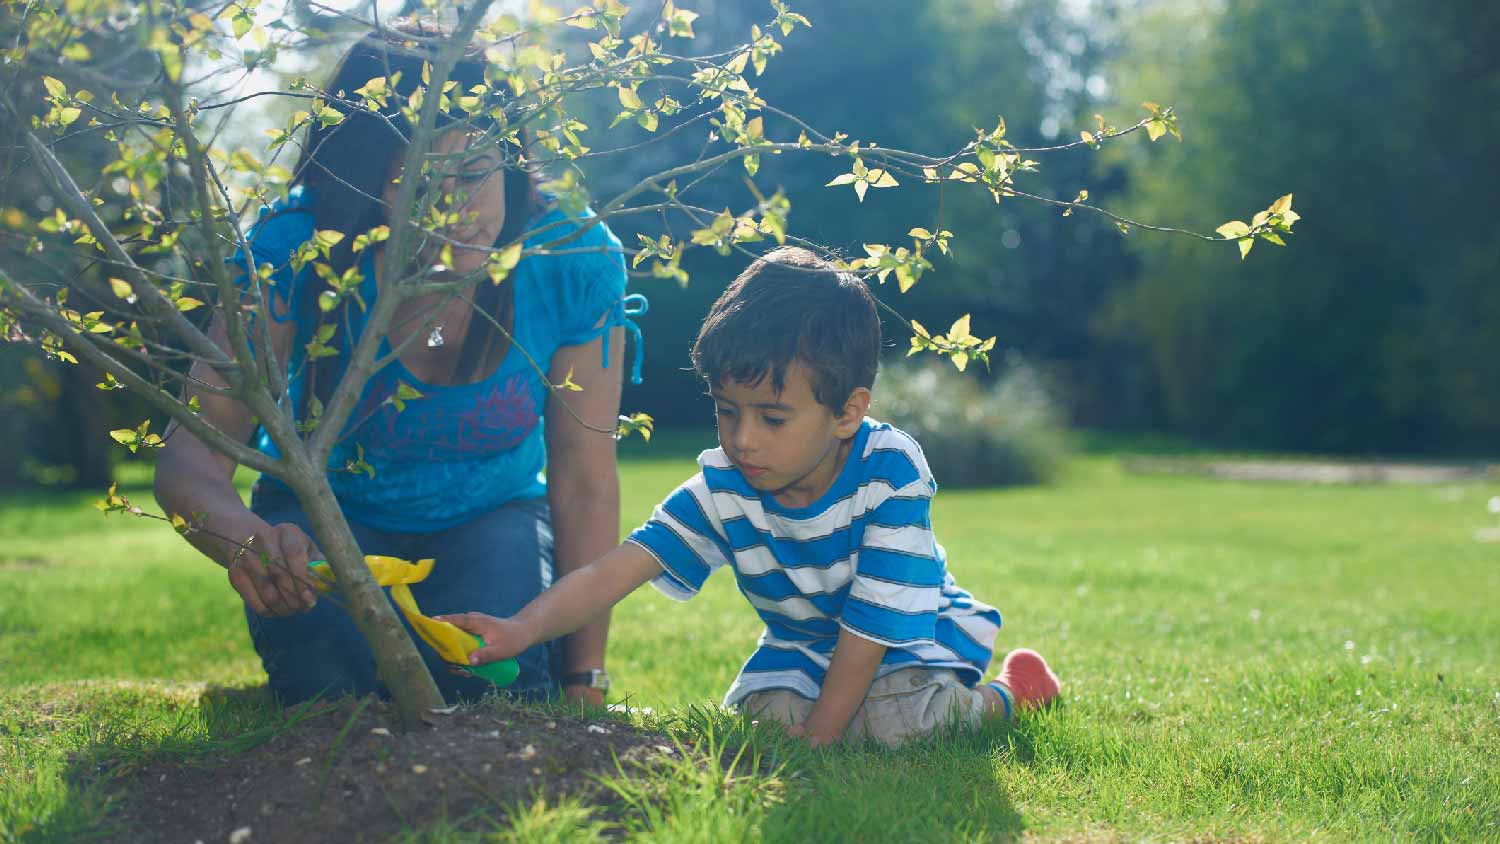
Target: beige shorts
[[902, 705]]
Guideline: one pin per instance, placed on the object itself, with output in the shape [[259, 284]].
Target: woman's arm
[[193, 478], [583, 486]]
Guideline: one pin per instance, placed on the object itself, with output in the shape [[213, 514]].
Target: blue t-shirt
[[460, 450], [861, 558]]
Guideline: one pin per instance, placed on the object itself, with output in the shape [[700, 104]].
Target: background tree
[[162, 255], [1382, 331]]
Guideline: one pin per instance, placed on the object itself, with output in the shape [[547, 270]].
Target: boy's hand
[[814, 736], [503, 637]]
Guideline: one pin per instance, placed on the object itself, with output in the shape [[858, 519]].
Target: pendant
[[435, 339]]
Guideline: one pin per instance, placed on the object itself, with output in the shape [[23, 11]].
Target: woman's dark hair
[[346, 165], [790, 305]]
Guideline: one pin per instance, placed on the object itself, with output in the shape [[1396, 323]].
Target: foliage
[[1003, 433], [1383, 332], [1026, 275]]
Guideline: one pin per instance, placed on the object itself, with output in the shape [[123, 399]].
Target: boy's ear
[[855, 408]]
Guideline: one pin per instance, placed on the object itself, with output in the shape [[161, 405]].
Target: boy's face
[[787, 443]]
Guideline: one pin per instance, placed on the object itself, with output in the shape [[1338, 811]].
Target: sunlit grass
[[1241, 662]]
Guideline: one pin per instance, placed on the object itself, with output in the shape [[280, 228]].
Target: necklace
[[435, 339]]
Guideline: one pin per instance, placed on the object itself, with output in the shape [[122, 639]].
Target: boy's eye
[[773, 422]]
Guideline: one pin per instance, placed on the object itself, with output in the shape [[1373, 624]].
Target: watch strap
[[593, 678]]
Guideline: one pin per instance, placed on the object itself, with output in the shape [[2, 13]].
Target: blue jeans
[[494, 564]]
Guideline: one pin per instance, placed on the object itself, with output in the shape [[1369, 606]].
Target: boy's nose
[[744, 441]]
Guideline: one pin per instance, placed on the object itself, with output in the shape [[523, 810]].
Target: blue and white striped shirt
[[861, 557]]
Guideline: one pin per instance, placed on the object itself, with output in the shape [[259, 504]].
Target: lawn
[[1241, 662]]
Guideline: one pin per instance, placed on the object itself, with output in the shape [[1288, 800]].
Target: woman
[[458, 473]]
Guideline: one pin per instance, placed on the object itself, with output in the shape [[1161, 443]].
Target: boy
[[823, 515]]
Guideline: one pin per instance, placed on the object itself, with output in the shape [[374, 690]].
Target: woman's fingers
[[271, 574], [297, 551], [244, 583], [286, 552]]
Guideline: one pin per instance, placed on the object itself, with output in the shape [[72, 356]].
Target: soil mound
[[345, 774]]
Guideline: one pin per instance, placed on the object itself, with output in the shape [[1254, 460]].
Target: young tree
[[160, 260]]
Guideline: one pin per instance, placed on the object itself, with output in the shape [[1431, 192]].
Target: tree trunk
[[399, 664]]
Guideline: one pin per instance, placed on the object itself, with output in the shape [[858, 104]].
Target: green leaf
[[1245, 244], [906, 276], [404, 393], [501, 263], [679, 21], [635, 423], [1233, 229], [1155, 129], [76, 52], [630, 99], [55, 87], [568, 383]]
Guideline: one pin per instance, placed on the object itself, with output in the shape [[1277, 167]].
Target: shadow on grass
[[110, 731], [941, 790]]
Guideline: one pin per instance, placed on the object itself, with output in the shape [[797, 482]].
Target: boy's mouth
[[752, 471]]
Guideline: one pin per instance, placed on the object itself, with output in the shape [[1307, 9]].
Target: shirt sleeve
[[593, 287], [897, 585], [686, 538], [274, 240]]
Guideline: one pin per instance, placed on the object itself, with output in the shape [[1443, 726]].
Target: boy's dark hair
[[792, 305]]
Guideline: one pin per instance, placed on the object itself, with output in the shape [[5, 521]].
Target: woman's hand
[[270, 571], [503, 637]]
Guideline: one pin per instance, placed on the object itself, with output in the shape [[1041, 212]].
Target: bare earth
[[345, 775]]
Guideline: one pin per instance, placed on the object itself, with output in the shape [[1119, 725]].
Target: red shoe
[[1031, 682]]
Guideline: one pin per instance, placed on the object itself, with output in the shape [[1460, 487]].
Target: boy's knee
[[780, 705], [913, 703]]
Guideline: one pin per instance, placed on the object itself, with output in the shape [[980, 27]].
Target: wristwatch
[[593, 678]]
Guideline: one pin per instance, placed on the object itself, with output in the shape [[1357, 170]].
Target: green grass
[[1241, 662]]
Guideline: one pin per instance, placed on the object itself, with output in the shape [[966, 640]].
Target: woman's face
[[470, 184]]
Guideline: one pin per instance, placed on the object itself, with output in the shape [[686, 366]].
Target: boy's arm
[[850, 672], [572, 602]]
